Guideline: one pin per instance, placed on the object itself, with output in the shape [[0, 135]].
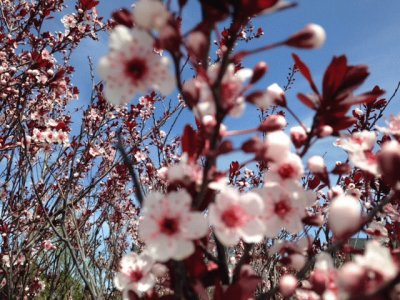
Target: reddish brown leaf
[[189, 142], [305, 71]]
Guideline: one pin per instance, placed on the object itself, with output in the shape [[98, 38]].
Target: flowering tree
[[129, 202]]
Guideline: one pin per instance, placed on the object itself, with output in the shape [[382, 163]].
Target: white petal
[[253, 231], [195, 226], [148, 229], [227, 237], [120, 36], [253, 203], [184, 248], [146, 283]]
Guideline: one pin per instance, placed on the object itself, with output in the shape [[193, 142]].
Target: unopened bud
[[311, 36], [273, 123], [259, 70], [287, 285], [316, 164], [298, 136]]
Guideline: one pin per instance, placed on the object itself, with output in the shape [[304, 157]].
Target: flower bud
[[273, 95], [389, 163], [273, 123], [316, 164], [344, 215], [287, 285], [311, 36], [298, 136], [259, 70]]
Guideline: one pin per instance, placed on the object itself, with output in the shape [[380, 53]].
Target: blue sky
[[367, 31]]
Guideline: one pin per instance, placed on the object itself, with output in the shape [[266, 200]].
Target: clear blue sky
[[367, 31]]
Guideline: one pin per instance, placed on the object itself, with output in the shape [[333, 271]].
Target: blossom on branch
[[133, 67], [168, 226]]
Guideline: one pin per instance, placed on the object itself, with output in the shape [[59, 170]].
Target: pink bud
[[316, 164], [259, 70], [325, 131], [344, 215], [298, 136], [273, 123], [311, 36], [287, 285], [273, 95]]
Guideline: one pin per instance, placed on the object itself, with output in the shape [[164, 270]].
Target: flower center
[[169, 226], [233, 216], [282, 208], [287, 171], [136, 69], [135, 275]]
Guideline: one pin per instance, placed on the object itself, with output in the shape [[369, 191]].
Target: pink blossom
[[132, 66], [290, 167], [135, 274], [69, 21], [234, 217], [51, 136], [393, 126], [168, 226], [38, 136], [359, 147], [285, 206], [232, 88]]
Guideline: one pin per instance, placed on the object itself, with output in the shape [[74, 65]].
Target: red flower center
[[234, 216], [169, 226], [282, 208], [136, 68], [286, 171], [135, 275]]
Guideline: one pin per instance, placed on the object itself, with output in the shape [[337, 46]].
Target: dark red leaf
[[189, 142], [88, 4], [307, 101], [334, 77], [253, 7], [302, 67]]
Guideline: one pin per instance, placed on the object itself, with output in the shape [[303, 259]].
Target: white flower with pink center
[[135, 274], [234, 217], [150, 14], [168, 226], [285, 206], [359, 147], [133, 67], [62, 137], [289, 168], [232, 89], [51, 136], [38, 136], [69, 21]]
